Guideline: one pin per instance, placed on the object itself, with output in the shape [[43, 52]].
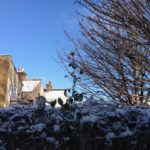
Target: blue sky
[[32, 31]]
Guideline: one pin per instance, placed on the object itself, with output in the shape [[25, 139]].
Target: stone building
[[31, 89], [15, 88], [10, 84]]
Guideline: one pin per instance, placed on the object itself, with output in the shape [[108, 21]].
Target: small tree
[[73, 95]]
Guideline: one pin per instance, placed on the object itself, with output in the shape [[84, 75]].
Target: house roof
[[55, 94], [29, 85]]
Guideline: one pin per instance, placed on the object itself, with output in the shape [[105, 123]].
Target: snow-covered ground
[[96, 126]]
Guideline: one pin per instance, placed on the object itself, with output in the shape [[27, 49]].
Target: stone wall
[[14, 84], [4, 66], [10, 85]]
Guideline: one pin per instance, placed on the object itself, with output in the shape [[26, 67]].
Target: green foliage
[[74, 97], [74, 71], [72, 53], [60, 101], [53, 103], [73, 65], [77, 96], [65, 92], [81, 71]]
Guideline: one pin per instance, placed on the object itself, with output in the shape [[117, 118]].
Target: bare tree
[[114, 49]]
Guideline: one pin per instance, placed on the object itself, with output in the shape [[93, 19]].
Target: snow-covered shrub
[[98, 127]]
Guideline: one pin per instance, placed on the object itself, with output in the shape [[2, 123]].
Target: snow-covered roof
[[29, 85], [55, 94]]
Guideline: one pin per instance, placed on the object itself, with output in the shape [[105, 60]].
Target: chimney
[[21, 74], [48, 86]]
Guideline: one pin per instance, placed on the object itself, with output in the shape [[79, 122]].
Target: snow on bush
[[93, 127]]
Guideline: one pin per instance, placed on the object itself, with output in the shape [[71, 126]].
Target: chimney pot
[[21, 74], [48, 86]]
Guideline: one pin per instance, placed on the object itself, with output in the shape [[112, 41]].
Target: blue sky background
[[32, 31]]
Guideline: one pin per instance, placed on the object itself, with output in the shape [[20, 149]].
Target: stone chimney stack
[[48, 86], [21, 74]]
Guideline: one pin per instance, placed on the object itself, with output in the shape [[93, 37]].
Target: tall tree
[[114, 49]]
